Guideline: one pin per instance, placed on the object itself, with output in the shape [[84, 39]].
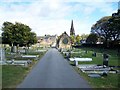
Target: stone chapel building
[[64, 40]]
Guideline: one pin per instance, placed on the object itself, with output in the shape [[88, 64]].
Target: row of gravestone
[[3, 60], [105, 57], [96, 71]]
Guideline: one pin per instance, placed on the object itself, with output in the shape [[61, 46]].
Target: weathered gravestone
[[86, 52], [68, 55], [2, 56], [14, 49], [75, 62], [94, 54], [105, 59], [93, 75], [24, 50]]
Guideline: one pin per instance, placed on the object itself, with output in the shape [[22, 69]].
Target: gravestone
[[94, 54], [25, 49], [94, 75], [12, 61], [69, 54], [14, 49], [86, 52], [26, 64], [75, 62], [105, 59], [104, 74], [2, 55], [60, 49]]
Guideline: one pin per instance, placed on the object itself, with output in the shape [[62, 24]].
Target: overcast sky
[[54, 16]]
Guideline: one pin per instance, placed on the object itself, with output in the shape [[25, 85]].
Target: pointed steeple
[[72, 31]]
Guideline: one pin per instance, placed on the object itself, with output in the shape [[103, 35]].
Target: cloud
[[60, 0], [53, 17]]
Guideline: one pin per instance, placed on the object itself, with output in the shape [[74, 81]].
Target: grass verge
[[13, 75], [112, 80]]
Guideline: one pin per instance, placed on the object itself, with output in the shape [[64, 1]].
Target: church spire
[[72, 31]]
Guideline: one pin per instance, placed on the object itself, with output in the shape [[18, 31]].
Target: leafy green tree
[[92, 38], [32, 39], [17, 34], [114, 27], [84, 36], [72, 37], [107, 28], [78, 38], [7, 29]]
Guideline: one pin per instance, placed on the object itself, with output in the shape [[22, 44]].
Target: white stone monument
[[2, 56]]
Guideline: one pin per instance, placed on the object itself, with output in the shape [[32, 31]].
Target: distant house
[[62, 41], [47, 40]]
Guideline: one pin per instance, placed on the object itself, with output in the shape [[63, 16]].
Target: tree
[[114, 27], [84, 36], [108, 28], [17, 34], [72, 37], [92, 38], [7, 29], [78, 39], [32, 39]]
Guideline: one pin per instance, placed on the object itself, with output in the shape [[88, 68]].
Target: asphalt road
[[53, 71]]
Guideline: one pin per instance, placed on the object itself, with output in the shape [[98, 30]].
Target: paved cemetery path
[[53, 71]]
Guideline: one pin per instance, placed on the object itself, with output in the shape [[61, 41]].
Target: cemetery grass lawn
[[13, 75], [0, 76], [113, 58], [112, 80]]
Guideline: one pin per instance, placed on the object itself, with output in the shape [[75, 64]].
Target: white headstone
[[2, 56], [14, 49]]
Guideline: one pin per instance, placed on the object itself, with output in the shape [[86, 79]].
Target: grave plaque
[[94, 75]]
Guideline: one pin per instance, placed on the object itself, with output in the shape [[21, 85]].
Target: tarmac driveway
[[53, 71]]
